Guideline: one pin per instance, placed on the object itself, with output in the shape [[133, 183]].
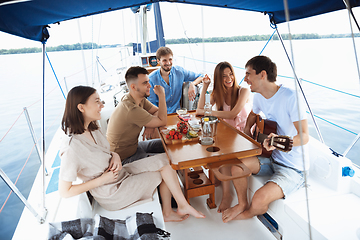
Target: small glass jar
[[207, 109], [206, 138]]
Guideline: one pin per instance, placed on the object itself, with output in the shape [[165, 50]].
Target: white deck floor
[[209, 228], [212, 227]]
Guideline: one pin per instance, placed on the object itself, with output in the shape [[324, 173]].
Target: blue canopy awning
[[30, 18]]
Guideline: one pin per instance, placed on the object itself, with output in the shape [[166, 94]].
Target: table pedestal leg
[[196, 183], [186, 187], [211, 200]]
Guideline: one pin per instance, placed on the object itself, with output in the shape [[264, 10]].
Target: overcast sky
[[180, 20]]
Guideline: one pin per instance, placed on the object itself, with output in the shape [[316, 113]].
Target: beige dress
[[81, 157]]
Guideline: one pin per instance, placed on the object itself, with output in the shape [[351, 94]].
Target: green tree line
[[258, 38], [69, 47], [265, 37]]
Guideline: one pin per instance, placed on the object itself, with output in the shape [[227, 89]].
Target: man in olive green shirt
[[132, 114]]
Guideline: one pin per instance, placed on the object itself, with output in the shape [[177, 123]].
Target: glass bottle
[[207, 107], [206, 132]]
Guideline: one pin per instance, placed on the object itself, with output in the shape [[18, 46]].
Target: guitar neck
[[282, 143], [261, 137]]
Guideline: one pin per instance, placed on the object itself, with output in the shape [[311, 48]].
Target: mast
[[143, 29], [159, 26], [145, 46]]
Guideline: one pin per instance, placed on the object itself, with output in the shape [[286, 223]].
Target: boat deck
[[334, 208], [212, 227]]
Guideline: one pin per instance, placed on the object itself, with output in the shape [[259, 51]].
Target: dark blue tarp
[[29, 19], [160, 40], [154, 45]]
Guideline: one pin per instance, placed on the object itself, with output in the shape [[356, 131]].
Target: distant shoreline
[[245, 38]]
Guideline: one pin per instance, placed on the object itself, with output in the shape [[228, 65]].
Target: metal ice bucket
[[213, 123]]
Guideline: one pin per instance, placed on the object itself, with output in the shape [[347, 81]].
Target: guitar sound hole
[[213, 149]]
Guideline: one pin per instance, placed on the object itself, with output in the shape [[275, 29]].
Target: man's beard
[[143, 94], [166, 70]]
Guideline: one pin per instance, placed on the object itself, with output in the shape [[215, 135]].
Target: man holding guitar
[[287, 169]]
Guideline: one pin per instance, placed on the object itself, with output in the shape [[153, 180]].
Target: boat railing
[[12, 185], [33, 135], [13, 188], [36, 142]]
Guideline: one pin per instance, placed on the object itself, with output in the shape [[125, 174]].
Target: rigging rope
[[267, 42], [82, 52], [261, 51], [188, 39], [283, 76], [353, 38], [92, 51], [97, 49], [12, 125], [334, 124], [97, 59], [18, 177], [357, 65], [45, 131], [298, 85], [57, 80]]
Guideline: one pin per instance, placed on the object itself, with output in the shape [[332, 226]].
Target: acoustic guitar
[[263, 128]]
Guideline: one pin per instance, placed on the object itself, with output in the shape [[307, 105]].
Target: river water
[[328, 62]]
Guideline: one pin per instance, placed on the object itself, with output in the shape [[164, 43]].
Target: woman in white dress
[[85, 153]]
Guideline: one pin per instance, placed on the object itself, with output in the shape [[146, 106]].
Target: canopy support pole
[[347, 4], [300, 87], [297, 87], [43, 135], [203, 37]]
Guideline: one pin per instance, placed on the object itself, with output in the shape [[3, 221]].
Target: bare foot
[[225, 203], [187, 209], [232, 213], [174, 217]]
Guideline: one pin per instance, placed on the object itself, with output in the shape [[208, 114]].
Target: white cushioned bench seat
[[334, 206]]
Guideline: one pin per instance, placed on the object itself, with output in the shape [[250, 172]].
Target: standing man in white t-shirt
[[287, 170]]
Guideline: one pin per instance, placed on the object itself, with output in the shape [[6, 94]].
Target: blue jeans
[[145, 149], [288, 179]]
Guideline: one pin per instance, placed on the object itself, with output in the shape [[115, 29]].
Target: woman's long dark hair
[[73, 120], [219, 91]]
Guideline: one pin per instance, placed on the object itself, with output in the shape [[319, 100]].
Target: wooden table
[[189, 156]]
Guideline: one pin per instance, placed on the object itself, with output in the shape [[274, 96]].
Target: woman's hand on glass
[[206, 80], [115, 163]]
